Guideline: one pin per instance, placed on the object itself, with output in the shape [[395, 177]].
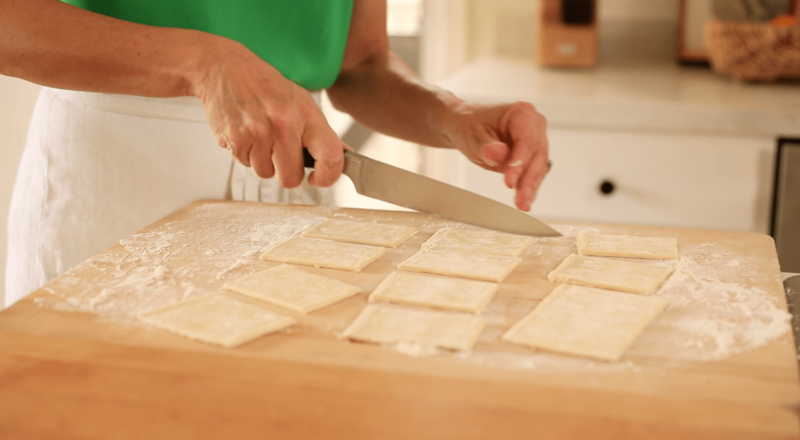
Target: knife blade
[[385, 182]]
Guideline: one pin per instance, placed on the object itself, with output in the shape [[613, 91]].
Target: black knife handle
[[308, 159]]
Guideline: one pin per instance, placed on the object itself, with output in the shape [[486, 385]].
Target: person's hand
[[264, 119], [506, 138]]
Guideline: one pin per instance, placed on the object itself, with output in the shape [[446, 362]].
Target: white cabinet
[[682, 147], [705, 182]]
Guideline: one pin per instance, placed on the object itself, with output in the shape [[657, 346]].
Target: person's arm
[[259, 115], [380, 91]]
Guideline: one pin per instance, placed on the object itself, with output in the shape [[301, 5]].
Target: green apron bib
[[304, 39]]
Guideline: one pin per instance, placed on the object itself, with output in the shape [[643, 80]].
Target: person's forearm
[[59, 45], [385, 95]]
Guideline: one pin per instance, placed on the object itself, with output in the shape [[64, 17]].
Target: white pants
[[98, 167]]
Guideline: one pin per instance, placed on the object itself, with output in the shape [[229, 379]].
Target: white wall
[[16, 105]]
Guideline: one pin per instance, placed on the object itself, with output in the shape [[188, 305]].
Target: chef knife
[[385, 182]]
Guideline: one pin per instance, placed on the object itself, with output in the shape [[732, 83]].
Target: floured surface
[[585, 321], [718, 362], [393, 324], [216, 319], [434, 291], [375, 234], [478, 240], [292, 288], [725, 294], [627, 246], [625, 276], [324, 253], [476, 266]]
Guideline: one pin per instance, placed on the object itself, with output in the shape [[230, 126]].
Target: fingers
[[494, 153], [287, 154], [327, 150], [527, 130], [487, 151], [259, 154], [237, 144], [529, 182]]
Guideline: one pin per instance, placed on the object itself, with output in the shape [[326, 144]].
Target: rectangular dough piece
[[216, 319], [293, 288], [489, 242], [625, 276], [392, 324], [433, 291], [627, 246], [485, 267], [587, 322], [324, 253], [375, 234]]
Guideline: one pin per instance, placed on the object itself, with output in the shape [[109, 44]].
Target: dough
[[361, 232], [654, 248], [625, 276], [217, 319], [391, 324], [440, 292], [293, 288], [324, 253], [586, 322], [489, 242], [486, 267]]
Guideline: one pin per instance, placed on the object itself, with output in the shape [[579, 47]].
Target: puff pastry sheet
[[464, 264], [656, 248], [361, 232], [434, 291], [324, 253], [625, 276], [477, 241], [216, 319], [392, 324], [293, 288], [586, 322]]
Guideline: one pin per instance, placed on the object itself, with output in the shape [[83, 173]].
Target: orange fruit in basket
[[784, 20]]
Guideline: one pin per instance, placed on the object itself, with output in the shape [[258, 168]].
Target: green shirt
[[304, 39]]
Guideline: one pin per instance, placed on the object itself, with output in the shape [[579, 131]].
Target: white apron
[[98, 167]]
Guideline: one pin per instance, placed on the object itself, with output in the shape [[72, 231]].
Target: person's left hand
[[506, 138]]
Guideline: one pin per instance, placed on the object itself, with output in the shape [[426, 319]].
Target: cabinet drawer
[[646, 179]]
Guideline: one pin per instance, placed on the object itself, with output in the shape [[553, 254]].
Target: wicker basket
[[753, 51]]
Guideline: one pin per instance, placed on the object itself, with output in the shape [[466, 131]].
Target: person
[[140, 94]]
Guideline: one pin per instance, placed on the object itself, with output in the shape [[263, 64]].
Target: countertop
[[637, 94]]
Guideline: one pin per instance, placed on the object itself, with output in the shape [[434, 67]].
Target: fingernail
[[489, 162], [516, 163]]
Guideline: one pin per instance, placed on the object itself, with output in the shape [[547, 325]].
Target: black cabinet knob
[[607, 187]]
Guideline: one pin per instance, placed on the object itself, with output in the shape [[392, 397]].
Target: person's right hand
[[264, 119]]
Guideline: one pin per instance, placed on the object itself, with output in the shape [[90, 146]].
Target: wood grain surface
[[97, 373]]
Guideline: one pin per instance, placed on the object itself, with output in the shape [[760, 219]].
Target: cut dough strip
[[324, 253], [440, 292], [655, 248], [391, 324], [216, 319], [293, 288], [625, 276], [587, 322], [489, 242], [361, 232], [485, 267]]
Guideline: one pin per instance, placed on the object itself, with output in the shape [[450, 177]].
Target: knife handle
[[308, 159]]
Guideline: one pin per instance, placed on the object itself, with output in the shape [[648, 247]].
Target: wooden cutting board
[[74, 362]]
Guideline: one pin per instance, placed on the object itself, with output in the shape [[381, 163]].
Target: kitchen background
[[637, 139]]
